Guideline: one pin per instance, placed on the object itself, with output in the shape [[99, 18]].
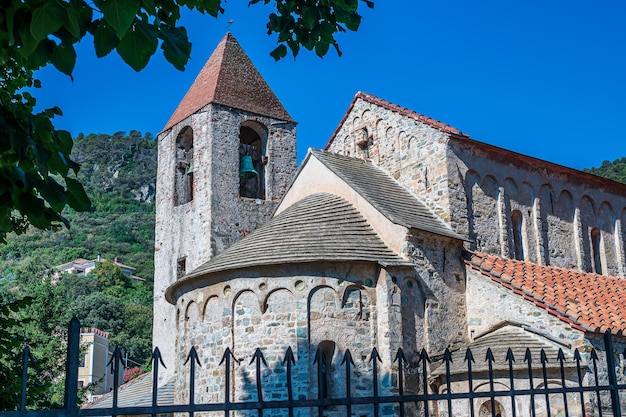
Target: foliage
[[615, 170], [33, 320]]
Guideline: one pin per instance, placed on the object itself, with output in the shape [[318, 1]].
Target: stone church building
[[402, 232]]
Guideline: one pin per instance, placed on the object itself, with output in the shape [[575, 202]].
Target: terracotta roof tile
[[370, 98], [231, 79], [588, 302]]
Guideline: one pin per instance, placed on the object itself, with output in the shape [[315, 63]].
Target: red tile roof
[[370, 98], [588, 302], [231, 79]]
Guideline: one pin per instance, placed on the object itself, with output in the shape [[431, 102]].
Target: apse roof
[[384, 193], [320, 227], [587, 302], [229, 78]]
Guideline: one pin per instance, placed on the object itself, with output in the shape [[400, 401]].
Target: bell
[[246, 169]]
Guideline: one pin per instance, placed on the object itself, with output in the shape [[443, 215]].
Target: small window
[[517, 223], [181, 267], [596, 250], [183, 183]]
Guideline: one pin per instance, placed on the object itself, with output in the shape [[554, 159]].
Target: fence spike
[[156, 357], [594, 355], [561, 356], [258, 357], [544, 357], [489, 356], [447, 356], [228, 354], [193, 356], [116, 359], [375, 355], [399, 356], [528, 357], [347, 358], [509, 356], [424, 356], [469, 356], [289, 357], [577, 355]]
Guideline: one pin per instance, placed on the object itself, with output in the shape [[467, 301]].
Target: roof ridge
[[389, 207], [229, 78], [396, 108]]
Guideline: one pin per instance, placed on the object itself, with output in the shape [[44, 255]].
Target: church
[[403, 232]]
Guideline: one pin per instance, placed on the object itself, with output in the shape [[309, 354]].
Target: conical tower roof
[[229, 78]]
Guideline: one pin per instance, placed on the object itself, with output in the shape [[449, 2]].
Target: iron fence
[[593, 386]]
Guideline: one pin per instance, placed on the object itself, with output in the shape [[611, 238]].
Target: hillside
[[118, 172]]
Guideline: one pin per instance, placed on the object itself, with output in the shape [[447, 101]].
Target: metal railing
[[587, 390]]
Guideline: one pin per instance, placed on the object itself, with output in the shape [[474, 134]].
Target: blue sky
[[540, 78]]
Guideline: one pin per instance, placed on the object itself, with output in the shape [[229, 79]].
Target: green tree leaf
[[47, 19], [136, 49], [279, 52], [104, 40], [64, 58], [176, 47], [77, 197], [120, 15]]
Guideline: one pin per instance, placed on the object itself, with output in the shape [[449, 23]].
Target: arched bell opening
[[252, 160], [183, 184]]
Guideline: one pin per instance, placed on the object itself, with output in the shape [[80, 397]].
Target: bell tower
[[226, 157]]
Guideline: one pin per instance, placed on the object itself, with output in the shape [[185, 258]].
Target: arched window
[[327, 349], [517, 223], [596, 250], [252, 160], [183, 182]]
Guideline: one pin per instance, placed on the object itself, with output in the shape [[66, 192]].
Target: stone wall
[[439, 302], [560, 208], [488, 305], [479, 190], [189, 234], [328, 306], [413, 153]]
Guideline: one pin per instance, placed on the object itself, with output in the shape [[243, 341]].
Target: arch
[[366, 115], [265, 303], [484, 213], [510, 188], [184, 167], [586, 222], [252, 159], [241, 293], [558, 228], [210, 308], [356, 122]]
